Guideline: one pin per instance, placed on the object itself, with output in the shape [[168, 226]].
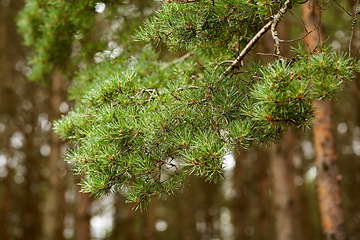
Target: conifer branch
[[353, 25], [146, 129], [239, 59]]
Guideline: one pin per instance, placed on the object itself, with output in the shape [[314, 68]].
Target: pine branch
[[239, 59]]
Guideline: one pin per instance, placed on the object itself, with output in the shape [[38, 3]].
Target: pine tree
[[144, 125]]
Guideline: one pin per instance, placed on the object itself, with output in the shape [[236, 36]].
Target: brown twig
[[325, 3], [343, 8], [181, 59], [274, 34], [357, 52], [269, 54], [182, 2], [263, 30], [299, 39], [353, 25], [226, 61], [247, 48]]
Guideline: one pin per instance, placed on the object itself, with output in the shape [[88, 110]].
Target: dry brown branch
[[343, 8], [274, 34], [353, 25], [299, 39], [263, 30], [269, 54], [181, 58], [226, 61], [182, 2]]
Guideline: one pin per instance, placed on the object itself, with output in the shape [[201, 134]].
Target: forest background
[[39, 196]]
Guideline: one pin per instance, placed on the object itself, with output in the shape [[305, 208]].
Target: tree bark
[[5, 197], [130, 217], [83, 216], [285, 196], [328, 188], [149, 230], [210, 191], [329, 194], [239, 205], [252, 205], [3, 52], [152, 218], [186, 208], [51, 214], [31, 215]]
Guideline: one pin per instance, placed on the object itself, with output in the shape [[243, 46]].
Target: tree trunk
[[31, 214], [285, 197], [5, 201], [210, 192], [329, 194], [186, 208], [252, 206], [149, 230], [83, 216], [3, 51], [51, 214], [239, 205], [328, 187], [264, 223], [130, 233], [187, 226]]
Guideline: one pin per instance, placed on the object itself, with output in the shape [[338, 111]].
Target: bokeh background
[[39, 193]]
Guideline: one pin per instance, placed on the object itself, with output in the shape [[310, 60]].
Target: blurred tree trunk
[[5, 183], [8, 101], [51, 213], [31, 215], [332, 215], [264, 223], [187, 226], [129, 223], [149, 219], [125, 220], [252, 213], [186, 207], [15, 92], [353, 167], [3, 55], [239, 204], [83, 216], [30, 212], [120, 218], [285, 194], [152, 218], [210, 191], [266, 218]]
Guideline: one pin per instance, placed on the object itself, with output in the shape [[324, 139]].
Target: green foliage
[[63, 34], [147, 140], [216, 28], [144, 125]]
